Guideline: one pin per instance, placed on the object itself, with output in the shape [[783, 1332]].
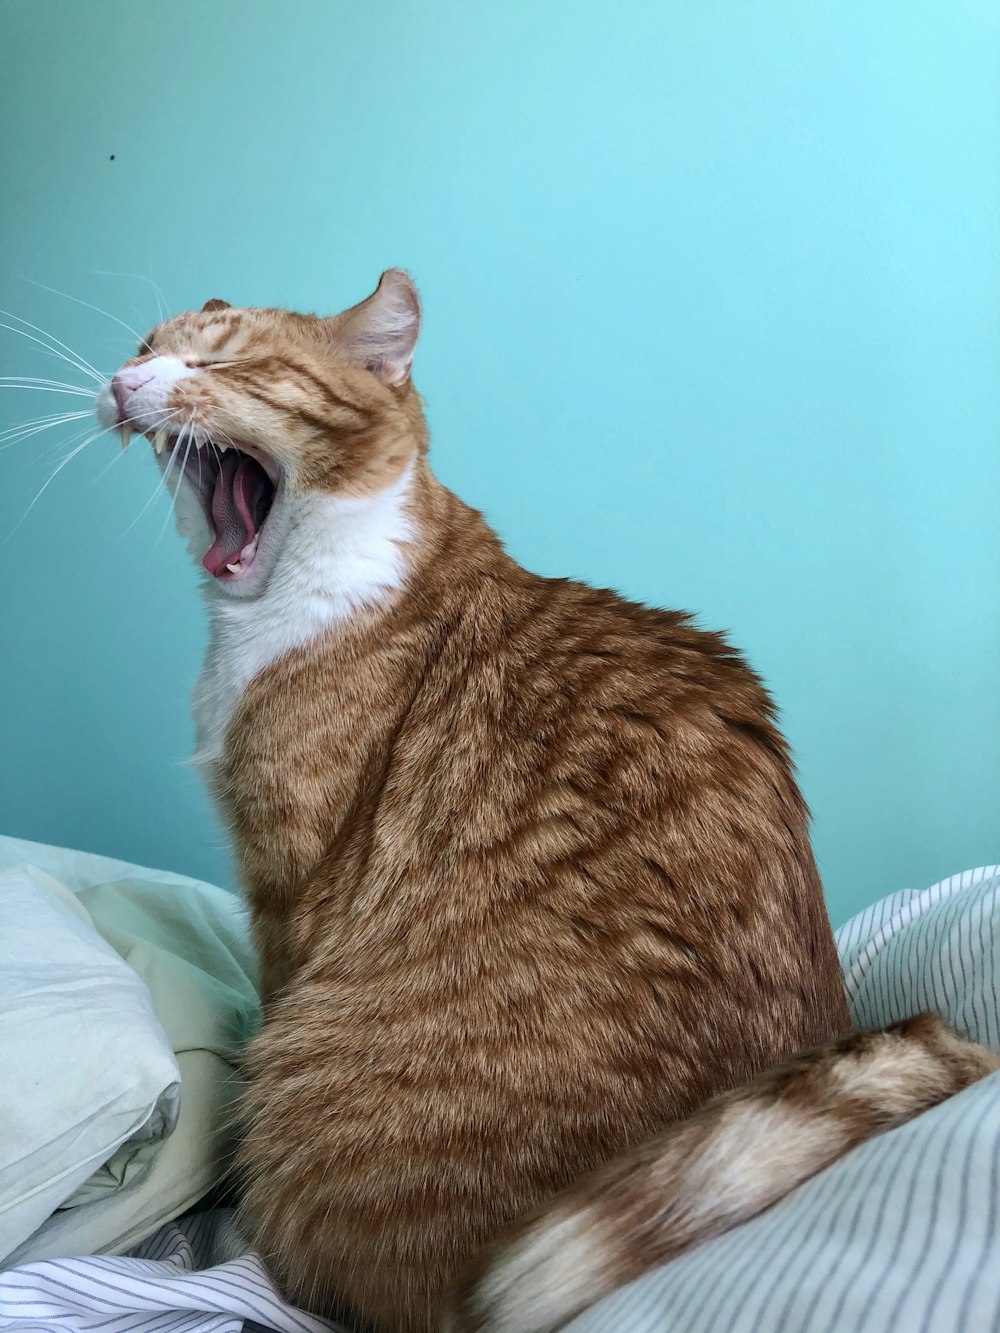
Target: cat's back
[[618, 773], [548, 699]]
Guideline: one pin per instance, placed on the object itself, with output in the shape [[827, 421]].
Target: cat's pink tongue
[[237, 490]]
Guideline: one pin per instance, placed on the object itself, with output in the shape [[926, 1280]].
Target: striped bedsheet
[[192, 1276], [903, 1236]]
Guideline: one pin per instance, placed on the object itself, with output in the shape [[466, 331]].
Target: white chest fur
[[337, 555]]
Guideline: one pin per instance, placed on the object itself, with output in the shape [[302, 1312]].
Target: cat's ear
[[215, 304], [381, 332]]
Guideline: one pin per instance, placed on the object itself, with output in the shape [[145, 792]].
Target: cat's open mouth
[[237, 485]]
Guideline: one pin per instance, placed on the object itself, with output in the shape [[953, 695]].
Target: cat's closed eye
[[210, 363]]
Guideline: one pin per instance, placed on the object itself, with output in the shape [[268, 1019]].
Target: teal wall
[[712, 296]]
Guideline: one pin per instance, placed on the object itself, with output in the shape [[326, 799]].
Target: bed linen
[[902, 1236]]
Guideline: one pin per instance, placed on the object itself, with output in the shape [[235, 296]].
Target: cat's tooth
[[249, 550], [234, 569], [125, 431], [160, 440]]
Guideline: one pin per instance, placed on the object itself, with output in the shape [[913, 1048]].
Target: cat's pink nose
[[126, 382]]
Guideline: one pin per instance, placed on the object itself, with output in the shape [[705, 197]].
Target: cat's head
[[257, 413]]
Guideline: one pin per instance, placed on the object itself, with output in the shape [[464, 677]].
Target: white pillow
[[189, 942], [87, 1070]]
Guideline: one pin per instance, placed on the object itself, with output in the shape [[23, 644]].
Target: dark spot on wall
[[111, 158]]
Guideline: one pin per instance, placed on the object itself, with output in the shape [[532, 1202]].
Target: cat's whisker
[[171, 459], [139, 277], [187, 452], [18, 426], [180, 481], [182, 471], [217, 451], [51, 459], [136, 313], [52, 452], [115, 456], [73, 359], [135, 425], [66, 296], [55, 450], [149, 267], [160, 483], [104, 430], [79, 361], [15, 434], [48, 383], [49, 388], [52, 476]]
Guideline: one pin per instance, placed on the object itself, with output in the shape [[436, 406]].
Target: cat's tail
[[734, 1158]]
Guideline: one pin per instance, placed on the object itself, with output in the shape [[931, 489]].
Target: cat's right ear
[[215, 304], [381, 332]]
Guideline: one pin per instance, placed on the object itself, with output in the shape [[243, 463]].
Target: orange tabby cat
[[530, 875]]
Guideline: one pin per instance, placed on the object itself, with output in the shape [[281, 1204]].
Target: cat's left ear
[[381, 332], [215, 304]]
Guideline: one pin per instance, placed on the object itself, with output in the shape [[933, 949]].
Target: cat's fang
[[160, 440], [125, 431], [234, 569]]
